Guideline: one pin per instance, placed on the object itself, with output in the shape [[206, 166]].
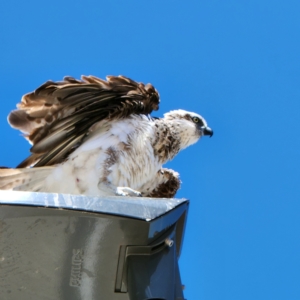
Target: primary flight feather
[[96, 137]]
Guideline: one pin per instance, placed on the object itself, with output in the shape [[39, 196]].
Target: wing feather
[[57, 116]]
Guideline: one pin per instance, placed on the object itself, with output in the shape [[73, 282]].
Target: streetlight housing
[[58, 246]]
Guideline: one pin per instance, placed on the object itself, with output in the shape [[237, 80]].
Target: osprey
[[96, 137]]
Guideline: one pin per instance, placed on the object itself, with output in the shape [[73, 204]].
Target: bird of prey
[[96, 137]]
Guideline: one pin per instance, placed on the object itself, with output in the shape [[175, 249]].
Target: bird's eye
[[196, 119]]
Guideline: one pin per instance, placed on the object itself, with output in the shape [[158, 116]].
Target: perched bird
[[96, 137]]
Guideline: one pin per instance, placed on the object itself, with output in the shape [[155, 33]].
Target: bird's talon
[[126, 191]]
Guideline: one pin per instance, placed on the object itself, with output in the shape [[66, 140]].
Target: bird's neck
[[166, 141]]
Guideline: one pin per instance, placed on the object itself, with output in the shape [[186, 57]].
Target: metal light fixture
[[56, 246]]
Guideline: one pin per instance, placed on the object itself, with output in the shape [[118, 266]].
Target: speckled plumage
[[96, 138]]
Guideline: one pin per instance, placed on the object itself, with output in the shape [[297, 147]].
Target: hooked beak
[[207, 131]]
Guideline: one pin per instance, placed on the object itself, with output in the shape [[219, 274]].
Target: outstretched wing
[[57, 116]]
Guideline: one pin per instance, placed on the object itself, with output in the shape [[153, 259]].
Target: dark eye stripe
[[197, 121]]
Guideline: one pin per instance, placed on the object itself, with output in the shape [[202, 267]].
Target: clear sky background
[[234, 62]]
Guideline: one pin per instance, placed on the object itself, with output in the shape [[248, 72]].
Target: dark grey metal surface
[[111, 249]]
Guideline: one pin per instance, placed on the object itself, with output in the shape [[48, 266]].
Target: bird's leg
[[118, 190], [106, 185]]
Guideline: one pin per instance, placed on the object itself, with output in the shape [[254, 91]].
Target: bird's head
[[190, 126]]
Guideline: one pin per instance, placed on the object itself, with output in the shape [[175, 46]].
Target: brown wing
[[57, 116]]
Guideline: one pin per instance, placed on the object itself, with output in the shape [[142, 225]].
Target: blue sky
[[234, 62]]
